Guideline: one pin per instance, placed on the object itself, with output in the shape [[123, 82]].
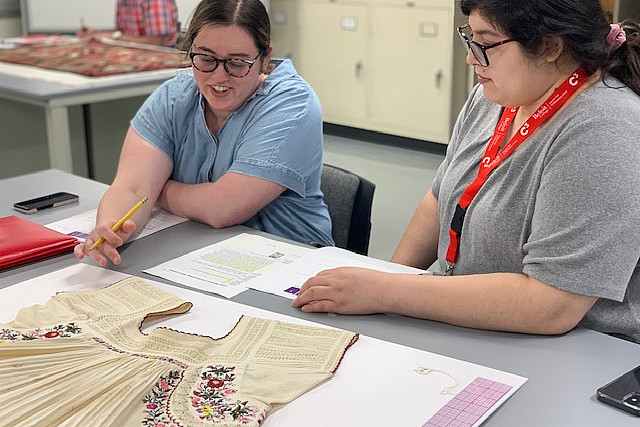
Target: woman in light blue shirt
[[237, 142]]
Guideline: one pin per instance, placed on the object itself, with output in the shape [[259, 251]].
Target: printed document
[[286, 282], [79, 226], [224, 267]]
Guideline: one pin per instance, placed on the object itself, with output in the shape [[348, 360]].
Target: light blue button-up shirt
[[276, 135]]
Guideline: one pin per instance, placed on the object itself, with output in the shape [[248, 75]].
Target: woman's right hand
[[134, 180], [345, 290], [108, 249]]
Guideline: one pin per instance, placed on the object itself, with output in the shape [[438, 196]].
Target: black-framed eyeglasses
[[233, 66], [479, 50]]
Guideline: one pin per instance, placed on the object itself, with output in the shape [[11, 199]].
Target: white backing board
[[375, 383]]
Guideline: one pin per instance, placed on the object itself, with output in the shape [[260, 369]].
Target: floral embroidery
[[213, 398], [58, 331], [156, 402]]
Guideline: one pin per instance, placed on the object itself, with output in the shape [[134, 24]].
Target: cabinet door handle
[[358, 69], [439, 78]]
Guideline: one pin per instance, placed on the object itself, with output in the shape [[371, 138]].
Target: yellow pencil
[[119, 223]]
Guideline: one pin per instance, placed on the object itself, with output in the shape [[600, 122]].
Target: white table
[[563, 371], [57, 91]]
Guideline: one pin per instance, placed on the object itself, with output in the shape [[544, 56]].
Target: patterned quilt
[[95, 58]]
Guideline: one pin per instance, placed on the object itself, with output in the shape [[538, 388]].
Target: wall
[[628, 9], [9, 18], [23, 145], [66, 15]]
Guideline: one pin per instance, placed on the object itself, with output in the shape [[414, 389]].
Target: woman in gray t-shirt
[[532, 220]]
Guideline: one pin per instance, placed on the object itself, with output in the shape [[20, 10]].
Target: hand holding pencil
[[118, 224]]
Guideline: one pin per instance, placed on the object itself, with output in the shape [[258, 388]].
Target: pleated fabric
[[81, 360]]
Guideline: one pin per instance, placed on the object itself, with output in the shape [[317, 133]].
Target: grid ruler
[[469, 405]]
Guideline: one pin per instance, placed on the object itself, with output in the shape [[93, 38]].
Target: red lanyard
[[492, 158]]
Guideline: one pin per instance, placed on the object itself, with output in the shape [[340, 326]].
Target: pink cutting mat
[[469, 405]]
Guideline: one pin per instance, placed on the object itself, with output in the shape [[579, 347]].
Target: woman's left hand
[[345, 290]]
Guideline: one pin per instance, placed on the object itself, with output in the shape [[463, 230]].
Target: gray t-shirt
[[564, 208]]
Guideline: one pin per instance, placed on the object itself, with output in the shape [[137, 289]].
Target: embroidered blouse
[[81, 359]]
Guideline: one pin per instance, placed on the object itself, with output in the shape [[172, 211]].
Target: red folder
[[23, 241]]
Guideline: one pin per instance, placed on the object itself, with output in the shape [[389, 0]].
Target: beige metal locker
[[332, 58], [285, 28], [390, 66], [410, 74]]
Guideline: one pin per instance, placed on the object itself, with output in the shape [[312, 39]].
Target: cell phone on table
[[623, 392], [45, 202]]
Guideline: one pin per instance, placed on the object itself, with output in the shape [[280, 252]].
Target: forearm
[[134, 181], [498, 301], [153, 40], [231, 200], [418, 246], [188, 200], [117, 201]]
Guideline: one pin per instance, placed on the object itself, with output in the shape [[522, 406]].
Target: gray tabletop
[[563, 371]]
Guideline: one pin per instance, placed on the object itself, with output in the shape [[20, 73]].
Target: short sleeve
[[160, 17], [584, 233], [156, 120], [131, 298], [294, 358], [284, 139]]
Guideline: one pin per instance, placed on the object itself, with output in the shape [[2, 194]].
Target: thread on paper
[[447, 390]]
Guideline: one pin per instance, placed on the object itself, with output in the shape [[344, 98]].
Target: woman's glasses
[[233, 66], [479, 50]]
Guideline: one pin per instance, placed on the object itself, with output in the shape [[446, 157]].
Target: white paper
[[224, 267], [80, 225], [286, 282], [375, 384]]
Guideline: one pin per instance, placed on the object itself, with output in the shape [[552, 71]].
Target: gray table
[[563, 371], [56, 99]]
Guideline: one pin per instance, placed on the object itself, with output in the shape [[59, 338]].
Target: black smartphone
[[49, 201], [623, 392]]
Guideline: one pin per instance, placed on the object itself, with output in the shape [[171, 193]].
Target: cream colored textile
[[81, 360]]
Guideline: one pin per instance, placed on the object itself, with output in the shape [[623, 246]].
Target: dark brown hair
[[248, 14], [581, 24]]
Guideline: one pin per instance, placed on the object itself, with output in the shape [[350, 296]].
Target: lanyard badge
[[494, 156]]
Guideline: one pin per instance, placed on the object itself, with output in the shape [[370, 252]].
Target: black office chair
[[349, 198]]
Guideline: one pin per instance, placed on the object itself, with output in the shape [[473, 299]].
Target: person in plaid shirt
[[142, 21]]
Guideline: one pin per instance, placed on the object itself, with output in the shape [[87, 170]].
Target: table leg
[[59, 138]]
